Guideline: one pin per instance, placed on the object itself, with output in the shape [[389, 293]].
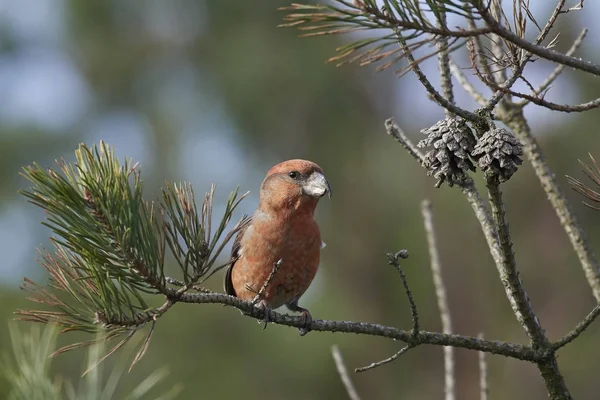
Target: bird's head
[[294, 185]]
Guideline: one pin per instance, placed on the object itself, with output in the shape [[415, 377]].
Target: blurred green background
[[211, 91]]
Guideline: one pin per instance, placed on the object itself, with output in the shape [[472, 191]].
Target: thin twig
[[464, 82], [558, 10], [518, 71], [385, 361], [178, 283], [444, 63], [343, 371], [267, 282], [590, 105], [540, 51], [483, 374], [394, 131], [579, 329], [442, 299], [477, 46], [499, 94], [558, 70], [435, 95], [393, 261], [498, 52]]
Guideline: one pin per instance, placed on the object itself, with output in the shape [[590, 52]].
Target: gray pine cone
[[498, 153], [452, 142]]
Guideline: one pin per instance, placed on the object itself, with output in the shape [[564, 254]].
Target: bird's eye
[[294, 174]]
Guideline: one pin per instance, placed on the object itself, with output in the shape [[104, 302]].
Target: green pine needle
[[109, 245]]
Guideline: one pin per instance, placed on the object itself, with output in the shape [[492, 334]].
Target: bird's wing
[[235, 254]]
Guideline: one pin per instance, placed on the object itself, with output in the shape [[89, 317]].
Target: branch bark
[[540, 51], [509, 275], [507, 349], [513, 117]]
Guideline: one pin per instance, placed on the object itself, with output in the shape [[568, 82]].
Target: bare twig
[[548, 104], [444, 63], [464, 82], [558, 10], [442, 299], [483, 374], [536, 49], [267, 282], [499, 94], [558, 70], [577, 7], [393, 260], [477, 45], [501, 90], [178, 283], [435, 95], [394, 131], [343, 371], [385, 361], [579, 329], [498, 52]]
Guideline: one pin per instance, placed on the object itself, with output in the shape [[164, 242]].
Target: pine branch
[[410, 19], [508, 349], [406, 17], [110, 244], [536, 49]]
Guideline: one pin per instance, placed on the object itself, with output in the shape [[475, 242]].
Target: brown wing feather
[[235, 253]]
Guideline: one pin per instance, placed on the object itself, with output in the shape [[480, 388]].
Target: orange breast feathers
[[283, 229]]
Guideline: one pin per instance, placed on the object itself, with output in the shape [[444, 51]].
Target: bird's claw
[[307, 322], [264, 307]]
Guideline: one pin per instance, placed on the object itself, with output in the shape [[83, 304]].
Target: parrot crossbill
[[282, 234]]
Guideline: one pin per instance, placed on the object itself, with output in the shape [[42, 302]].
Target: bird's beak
[[316, 185]]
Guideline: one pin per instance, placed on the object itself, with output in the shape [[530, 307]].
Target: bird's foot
[[266, 309], [307, 321]]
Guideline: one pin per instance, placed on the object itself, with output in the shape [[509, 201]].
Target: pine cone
[[452, 142], [498, 153]]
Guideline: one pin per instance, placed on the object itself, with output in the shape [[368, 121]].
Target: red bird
[[277, 254]]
